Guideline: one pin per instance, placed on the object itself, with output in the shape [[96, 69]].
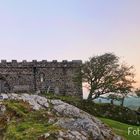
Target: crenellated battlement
[[43, 63], [44, 76]]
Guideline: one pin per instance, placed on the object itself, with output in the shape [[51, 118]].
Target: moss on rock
[[24, 123]]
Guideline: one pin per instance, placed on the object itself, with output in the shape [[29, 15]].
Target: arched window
[[41, 77]]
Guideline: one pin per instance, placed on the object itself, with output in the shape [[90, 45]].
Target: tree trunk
[[90, 96], [112, 101], [122, 101]]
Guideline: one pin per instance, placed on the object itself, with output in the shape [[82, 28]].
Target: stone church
[[40, 76]]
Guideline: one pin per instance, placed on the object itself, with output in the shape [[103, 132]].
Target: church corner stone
[[43, 76]]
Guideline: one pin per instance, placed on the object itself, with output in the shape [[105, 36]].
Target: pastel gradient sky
[[70, 29]]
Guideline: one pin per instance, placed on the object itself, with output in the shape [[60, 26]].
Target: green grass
[[121, 129], [25, 123], [17, 108]]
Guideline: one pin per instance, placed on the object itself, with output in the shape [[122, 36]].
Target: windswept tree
[[104, 74], [124, 85]]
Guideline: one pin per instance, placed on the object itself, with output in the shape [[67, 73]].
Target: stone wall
[[55, 77]]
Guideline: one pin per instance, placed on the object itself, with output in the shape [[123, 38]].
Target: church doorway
[[4, 86]]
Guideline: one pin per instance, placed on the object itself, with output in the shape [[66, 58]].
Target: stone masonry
[[40, 76]]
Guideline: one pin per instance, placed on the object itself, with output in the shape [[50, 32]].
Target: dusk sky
[[70, 29]]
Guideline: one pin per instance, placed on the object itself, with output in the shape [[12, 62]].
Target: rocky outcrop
[[74, 123]]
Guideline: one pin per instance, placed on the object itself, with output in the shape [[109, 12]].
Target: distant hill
[[130, 102]]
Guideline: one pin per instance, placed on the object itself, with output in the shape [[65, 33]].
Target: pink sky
[[70, 29]]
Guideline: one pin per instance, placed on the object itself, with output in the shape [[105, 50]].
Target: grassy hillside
[[121, 129]]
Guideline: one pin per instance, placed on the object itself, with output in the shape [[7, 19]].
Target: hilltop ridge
[[38, 118]]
